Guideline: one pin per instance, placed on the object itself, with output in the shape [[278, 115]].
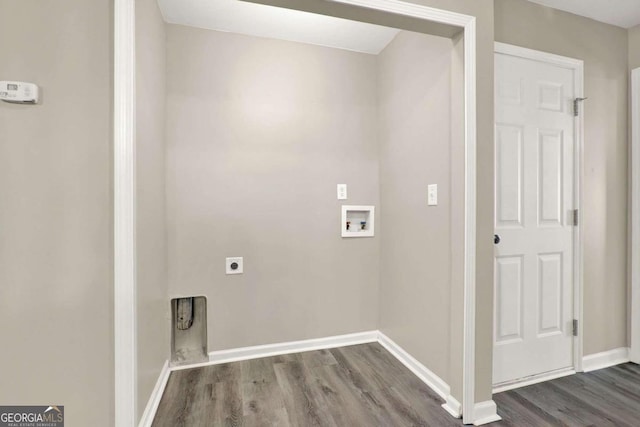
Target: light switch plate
[[234, 265], [342, 191], [432, 198]]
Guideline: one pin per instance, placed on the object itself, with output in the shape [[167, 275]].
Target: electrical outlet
[[234, 265], [432, 198], [342, 191]]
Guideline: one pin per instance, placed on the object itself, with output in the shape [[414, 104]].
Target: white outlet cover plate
[[432, 199], [342, 191], [231, 260]]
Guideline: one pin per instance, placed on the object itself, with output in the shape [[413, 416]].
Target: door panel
[[550, 178], [534, 140], [509, 176], [509, 296], [549, 294]]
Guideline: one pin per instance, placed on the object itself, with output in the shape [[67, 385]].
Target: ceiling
[[623, 13], [278, 23]]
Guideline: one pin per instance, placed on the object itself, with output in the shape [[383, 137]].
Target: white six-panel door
[[534, 161]]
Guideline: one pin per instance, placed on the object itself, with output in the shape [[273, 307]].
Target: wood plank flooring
[[608, 397], [360, 385], [364, 385]]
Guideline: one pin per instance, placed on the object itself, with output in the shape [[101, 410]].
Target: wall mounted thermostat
[[19, 92]]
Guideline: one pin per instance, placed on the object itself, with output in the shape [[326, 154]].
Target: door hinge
[[575, 327], [576, 106], [575, 217]]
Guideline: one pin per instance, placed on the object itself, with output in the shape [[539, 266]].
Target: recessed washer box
[[358, 221]]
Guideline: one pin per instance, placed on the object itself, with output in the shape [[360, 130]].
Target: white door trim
[[124, 195], [124, 199], [634, 353], [577, 66]]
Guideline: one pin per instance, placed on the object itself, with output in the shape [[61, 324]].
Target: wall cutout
[[189, 331]]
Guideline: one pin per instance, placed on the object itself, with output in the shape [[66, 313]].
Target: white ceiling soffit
[[278, 23], [623, 13]]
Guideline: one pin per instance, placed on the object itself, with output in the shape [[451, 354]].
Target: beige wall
[[604, 51], [152, 285], [259, 132], [56, 294], [483, 11], [634, 47], [414, 105]]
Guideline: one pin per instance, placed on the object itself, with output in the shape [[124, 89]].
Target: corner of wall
[[634, 47], [151, 265]]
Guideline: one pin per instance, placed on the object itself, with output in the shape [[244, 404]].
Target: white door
[[534, 143]]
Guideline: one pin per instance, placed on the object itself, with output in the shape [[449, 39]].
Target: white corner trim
[[469, 333], [634, 195], [453, 407], [436, 383], [156, 395], [124, 199], [605, 359], [485, 412]]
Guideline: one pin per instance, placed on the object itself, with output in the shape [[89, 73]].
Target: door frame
[[634, 352], [124, 246], [577, 66]]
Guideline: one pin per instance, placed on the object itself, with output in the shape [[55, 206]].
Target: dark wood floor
[[360, 385], [608, 397], [364, 385]]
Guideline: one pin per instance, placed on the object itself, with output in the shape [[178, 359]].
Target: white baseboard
[[485, 412], [605, 359], [156, 395], [429, 378], [453, 407], [268, 350]]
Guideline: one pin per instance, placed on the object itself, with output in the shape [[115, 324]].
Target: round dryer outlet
[[234, 265]]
